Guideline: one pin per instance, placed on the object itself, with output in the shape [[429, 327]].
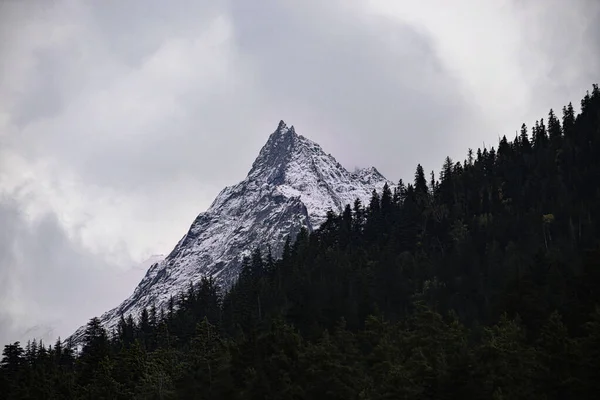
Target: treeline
[[481, 283]]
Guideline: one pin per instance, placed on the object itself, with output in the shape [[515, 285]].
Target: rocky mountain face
[[292, 184]]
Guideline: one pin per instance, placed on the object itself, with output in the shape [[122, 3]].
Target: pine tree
[[375, 203], [359, 216], [13, 356], [420, 183], [386, 200], [399, 193], [554, 130], [420, 188], [524, 140], [257, 264]]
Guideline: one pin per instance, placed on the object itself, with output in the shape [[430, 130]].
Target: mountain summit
[[292, 184]]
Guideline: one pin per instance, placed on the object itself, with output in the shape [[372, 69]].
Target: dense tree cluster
[[483, 283]]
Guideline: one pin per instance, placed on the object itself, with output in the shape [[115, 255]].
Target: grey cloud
[[49, 285], [48, 98], [361, 87], [566, 36], [374, 91], [113, 148], [135, 29]]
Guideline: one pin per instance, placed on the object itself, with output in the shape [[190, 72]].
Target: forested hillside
[[481, 283]]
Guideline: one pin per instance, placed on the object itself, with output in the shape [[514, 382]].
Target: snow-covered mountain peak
[[368, 175], [292, 184], [282, 126], [283, 147]]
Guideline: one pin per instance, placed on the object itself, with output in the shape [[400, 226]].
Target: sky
[[121, 121]]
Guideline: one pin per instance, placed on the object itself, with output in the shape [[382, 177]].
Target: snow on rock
[[292, 184]]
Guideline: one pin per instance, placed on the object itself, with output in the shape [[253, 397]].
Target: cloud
[[49, 283], [515, 59], [365, 87], [120, 122]]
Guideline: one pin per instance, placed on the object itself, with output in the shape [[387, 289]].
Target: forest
[[482, 282]]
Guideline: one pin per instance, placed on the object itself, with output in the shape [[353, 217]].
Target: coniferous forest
[[480, 283]]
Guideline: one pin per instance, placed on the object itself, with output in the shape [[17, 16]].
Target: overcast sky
[[121, 120]]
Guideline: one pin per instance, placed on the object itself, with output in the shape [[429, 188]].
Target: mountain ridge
[[291, 185]]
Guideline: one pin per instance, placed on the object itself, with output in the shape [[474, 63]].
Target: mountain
[[137, 272], [482, 285], [292, 184]]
